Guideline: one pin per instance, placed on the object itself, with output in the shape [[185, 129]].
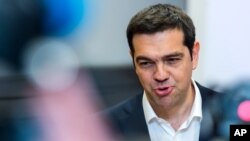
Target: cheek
[[183, 73], [144, 77]]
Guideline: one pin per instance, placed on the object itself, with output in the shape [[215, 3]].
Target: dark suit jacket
[[128, 119]]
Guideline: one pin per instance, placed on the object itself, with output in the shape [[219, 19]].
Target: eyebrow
[[175, 54], [141, 58]]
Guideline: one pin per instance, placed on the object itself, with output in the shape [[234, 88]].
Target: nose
[[161, 73]]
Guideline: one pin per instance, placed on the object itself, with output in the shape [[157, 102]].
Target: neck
[[180, 111]]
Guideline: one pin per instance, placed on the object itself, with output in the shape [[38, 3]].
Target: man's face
[[164, 66]]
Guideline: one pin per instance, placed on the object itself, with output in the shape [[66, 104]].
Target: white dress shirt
[[161, 130]]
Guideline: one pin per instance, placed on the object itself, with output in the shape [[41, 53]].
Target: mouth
[[163, 91]]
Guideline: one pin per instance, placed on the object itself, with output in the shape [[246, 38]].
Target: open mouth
[[163, 91]]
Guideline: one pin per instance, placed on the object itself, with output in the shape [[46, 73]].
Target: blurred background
[[49, 46]]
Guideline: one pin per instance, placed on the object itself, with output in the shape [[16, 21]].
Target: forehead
[[159, 43]]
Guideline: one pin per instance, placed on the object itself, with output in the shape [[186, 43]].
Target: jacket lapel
[[135, 123], [207, 123]]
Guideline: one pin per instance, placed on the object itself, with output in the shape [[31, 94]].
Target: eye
[[173, 60], [145, 64]]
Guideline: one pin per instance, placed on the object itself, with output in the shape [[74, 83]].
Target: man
[[173, 106]]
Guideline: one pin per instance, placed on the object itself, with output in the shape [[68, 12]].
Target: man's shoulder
[[126, 118], [125, 107], [208, 91], [211, 111]]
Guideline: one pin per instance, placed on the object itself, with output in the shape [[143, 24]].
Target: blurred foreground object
[[64, 99], [236, 107], [66, 115], [53, 101], [61, 17], [20, 21]]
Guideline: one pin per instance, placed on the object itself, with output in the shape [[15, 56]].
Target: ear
[[195, 55]]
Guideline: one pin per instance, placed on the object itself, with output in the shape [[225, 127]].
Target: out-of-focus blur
[[63, 60], [45, 94], [235, 107], [20, 21], [67, 113]]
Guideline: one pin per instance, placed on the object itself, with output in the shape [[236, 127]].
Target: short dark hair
[[158, 18]]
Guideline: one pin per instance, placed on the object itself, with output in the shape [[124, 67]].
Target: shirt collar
[[196, 108], [148, 110], [195, 112]]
